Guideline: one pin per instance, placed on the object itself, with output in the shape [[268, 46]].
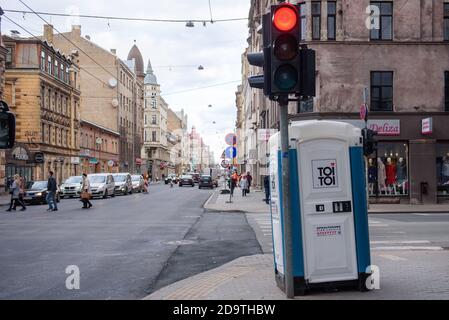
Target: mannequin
[[401, 174], [372, 176], [445, 169], [390, 170], [381, 175]]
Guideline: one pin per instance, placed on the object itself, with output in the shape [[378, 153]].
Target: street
[[125, 247]]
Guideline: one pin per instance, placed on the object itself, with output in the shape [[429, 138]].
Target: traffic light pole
[[288, 250]]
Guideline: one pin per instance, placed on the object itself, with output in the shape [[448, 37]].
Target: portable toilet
[[328, 205]]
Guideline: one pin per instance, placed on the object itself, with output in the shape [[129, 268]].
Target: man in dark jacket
[[250, 180], [266, 184], [52, 188]]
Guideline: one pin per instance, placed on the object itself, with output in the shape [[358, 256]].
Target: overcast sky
[[218, 47]]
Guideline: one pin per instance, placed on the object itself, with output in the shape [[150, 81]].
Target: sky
[[218, 47]]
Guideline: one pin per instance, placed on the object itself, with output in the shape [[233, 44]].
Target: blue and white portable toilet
[[328, 206]]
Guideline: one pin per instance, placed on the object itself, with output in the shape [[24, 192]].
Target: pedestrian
[[244, 185], [250, 180], [266, 185], [52, 188], [21, 194], [86, 192], [145, 184], [233, 183], [15, 191]]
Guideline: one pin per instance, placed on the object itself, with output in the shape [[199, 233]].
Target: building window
[[61, 74], [442, 169], [446, 91], [153, 136], [8, 57], [153, 103], [382, 91], [305, 105], [303, 11], [446, 21], [385, 31], [49, 65], [331, 19], [154, 119], [316, 20], [388, 170], [145, 135], [56, 69], [43, 64], [67, 74]]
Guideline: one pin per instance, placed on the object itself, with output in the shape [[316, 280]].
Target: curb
[[208, 199]]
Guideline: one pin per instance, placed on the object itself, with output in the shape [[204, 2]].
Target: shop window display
[[387, 170], [443, 169]]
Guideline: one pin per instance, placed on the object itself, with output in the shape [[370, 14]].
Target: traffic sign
[[224, 164], [231, 152], [39, 157], [363, 112], [231, 139]]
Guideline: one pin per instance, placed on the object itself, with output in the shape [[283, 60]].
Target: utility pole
[[283, 123]]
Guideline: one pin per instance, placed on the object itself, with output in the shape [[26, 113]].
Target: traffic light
[[284, 50], [369, 144], [262, 59]]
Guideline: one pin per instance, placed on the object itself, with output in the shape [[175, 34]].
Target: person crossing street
[[86, 192], [52, 188]]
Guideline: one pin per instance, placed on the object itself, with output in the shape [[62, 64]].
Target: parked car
[[123, 183], [196, 176], [71, 187], [205, 182], [171, 177], [102, 185], [36, 192], [137, 182], [186, 180]]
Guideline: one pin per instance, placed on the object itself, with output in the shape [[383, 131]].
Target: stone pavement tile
[[407, 275], [253, 202], [406, 208]]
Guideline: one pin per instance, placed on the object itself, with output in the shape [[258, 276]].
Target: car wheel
[[113, 194], [105, 195]]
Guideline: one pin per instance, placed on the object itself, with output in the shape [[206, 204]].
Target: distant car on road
[[186, 180], [205, 182], [36, 193], [196, 176], [137, 182], [123, 183], [102, 185], [71, 187], [171, 177]]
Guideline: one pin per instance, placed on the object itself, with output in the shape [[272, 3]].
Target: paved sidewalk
[[254, 203], [252, 278]]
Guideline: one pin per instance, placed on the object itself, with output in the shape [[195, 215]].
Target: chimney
[[114, 51], [76, 30], [48, 33], [87, 37]]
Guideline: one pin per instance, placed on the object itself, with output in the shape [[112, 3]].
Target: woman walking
[[15, 192], [86, 192], [244, 185], [145, 183]]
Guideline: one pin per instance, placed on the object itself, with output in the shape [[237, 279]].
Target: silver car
[[123, 183], [71, 187], [138, 183], [102, 185]]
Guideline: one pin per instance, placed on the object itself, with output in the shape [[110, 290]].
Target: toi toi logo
[[72, 282], [373, 281]]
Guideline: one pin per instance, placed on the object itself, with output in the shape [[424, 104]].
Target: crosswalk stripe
[[398, 248], [400, 242]]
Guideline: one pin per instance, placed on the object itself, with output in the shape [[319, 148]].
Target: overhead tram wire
[[34, 36], [201, 88], [107, 71], [56, 14]]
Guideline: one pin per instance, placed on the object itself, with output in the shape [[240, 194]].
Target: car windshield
[[206, 178], [97, 179], [186, 177], [74, 180], [39, 185], [135, 178], [119, 178]]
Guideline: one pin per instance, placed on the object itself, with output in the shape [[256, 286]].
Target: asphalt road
[[125, 247]]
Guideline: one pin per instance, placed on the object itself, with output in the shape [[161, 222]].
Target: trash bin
[[328, 206]]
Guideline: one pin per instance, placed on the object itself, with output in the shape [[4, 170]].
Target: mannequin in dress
[[372, 176], [381, 177], [390, 170], [445, 169], [401, 174]]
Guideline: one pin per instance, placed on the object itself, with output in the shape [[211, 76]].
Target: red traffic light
[[285, 18]]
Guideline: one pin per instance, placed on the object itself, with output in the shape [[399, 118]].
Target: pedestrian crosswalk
[[383, 237]]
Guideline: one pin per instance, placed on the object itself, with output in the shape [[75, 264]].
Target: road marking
[[400, 242], [392, 257], [379, 225], [403, 248]]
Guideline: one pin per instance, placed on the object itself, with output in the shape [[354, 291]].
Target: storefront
[[411, 164], [18, 161]]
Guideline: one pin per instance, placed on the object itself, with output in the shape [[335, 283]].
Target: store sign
[[75, 160], [39, 157], [385, 127], [19, 153], [93, 161], [427, 126], [84, 153]]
